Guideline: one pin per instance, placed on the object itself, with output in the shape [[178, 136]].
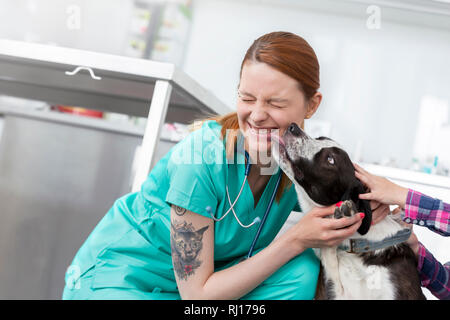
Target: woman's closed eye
[[277, 106], [249, 100]]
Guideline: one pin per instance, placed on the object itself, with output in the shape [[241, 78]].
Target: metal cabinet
[[56, 175]]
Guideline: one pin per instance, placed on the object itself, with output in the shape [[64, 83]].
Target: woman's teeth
[[265, 133]]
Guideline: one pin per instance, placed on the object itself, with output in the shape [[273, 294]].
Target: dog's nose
[[294, 129]]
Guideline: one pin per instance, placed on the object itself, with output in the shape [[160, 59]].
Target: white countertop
[[408, 175]]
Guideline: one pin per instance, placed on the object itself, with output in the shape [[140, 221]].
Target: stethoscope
[[257, 219]]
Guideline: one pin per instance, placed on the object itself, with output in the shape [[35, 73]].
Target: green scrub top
[[128, 254]]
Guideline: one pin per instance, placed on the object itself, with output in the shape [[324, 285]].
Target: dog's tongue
[[278, 139]]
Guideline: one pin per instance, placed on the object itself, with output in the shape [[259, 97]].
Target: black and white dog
[[323, 175]]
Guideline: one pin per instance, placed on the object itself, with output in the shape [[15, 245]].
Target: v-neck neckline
[[263, 194], [249, 191]]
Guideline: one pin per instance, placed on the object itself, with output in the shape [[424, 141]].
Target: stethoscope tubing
[[263, 221], [257, 219]]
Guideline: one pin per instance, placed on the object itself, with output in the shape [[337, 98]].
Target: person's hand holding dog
[[381, 189], [315, 230], [384, 193]]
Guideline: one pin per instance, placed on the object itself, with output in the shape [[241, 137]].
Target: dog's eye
[[330, 160]]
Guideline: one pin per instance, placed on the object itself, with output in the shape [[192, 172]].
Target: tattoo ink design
[[180, 211], [186, 243]]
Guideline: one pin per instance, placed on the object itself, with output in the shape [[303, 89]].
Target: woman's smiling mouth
[[261, 133]]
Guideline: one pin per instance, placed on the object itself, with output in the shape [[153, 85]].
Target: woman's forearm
[[240, 279]]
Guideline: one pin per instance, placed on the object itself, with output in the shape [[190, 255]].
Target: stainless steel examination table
[[59, 174]]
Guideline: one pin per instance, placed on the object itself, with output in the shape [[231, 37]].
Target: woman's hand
[[413, 243], [316, 230], [381, 189]]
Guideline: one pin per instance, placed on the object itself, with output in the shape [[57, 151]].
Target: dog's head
[[322, 168]]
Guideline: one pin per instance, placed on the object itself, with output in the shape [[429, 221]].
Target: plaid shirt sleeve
[[428, 212], [435, 215], [433, 275]]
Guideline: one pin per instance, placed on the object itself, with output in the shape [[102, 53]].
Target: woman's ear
[[313, 104]]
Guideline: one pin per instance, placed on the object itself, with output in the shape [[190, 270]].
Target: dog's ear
[[362, 205]]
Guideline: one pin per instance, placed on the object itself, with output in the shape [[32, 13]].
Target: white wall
[[102, 27], [372, 80]]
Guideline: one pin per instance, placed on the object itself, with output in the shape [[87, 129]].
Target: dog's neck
[[305, 202]]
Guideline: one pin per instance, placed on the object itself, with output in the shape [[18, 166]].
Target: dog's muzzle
[[295, 130]]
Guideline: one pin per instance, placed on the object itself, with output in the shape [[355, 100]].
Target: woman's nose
[[259, 114]]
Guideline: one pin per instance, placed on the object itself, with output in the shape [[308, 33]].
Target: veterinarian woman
[[419, 209], [161, 242]]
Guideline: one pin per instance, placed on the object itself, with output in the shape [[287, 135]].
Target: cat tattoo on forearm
[[186, 243]]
